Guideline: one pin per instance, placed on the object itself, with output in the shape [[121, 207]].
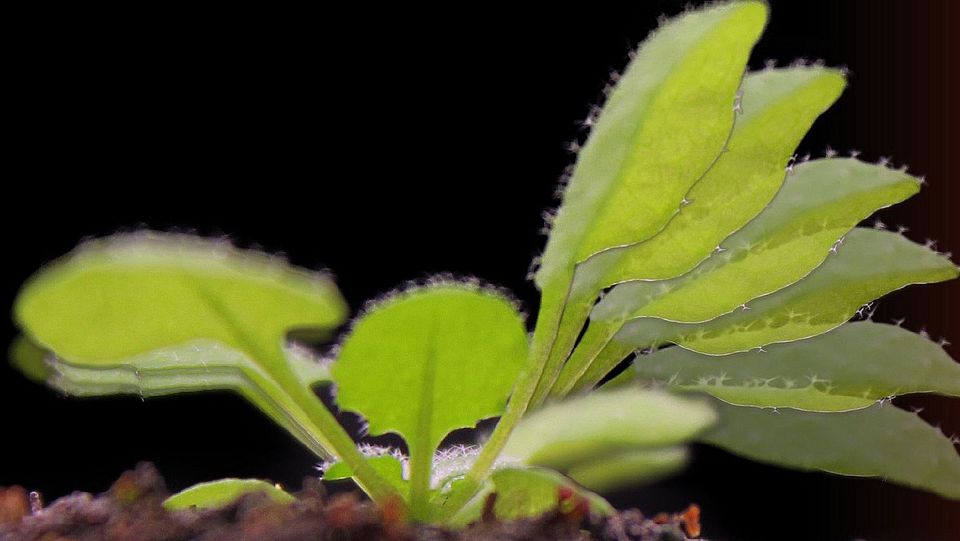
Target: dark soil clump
[[132, 511]]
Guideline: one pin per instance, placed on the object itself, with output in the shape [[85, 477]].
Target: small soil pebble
[[132, 510]]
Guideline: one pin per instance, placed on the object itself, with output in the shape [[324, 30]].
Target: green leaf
[[629, 468], [177, 306], [779, 105], [815, 208], [121, 296], [868, 265], [880, 441], [850, 367], [662, 127], [216, 494], [157, 314], [572, 432], [428, 361], [779, 108]]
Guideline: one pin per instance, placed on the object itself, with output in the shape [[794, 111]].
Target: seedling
[[732, 269]]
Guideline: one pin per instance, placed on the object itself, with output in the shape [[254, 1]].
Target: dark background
[[389, 144]]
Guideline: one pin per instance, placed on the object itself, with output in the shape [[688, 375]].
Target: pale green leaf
[[850, 367], [429, 361], [662, 127], [215, 494], [816, 207], [574, 431], [628, 468], [779, 108], [868, 265], [879, 441], [122, 296], [437, 358]]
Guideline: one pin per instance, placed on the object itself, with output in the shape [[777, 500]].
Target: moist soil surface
[[132, 511]]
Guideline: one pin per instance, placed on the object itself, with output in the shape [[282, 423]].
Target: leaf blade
[[822, 202], [871, 264], [220, 493], [850, 367], [780, 107], [571, 432], [652, 109], [874, 442]]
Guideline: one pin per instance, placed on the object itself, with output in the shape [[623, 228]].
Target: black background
[[387, 144]]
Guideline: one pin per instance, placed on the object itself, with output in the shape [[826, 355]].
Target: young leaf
[[850, 367], [780, 106], [877, 441], [629, 468], [149, 297], [869, 265], [663, 126], [430, 361], [575, 431], [223, 492], [813, 211]]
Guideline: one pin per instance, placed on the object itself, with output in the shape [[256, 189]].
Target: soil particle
[[132, 510]]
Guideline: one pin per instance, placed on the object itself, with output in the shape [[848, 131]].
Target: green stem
[[544, 335], [421, 446], [334, 438], [575, 314], [597, 337], [306, 406]]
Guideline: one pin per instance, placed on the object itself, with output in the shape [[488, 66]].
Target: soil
[[132, 510]]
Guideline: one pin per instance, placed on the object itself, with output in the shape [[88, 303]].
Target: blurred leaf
[[878, 441], [847, 368], [223, 492], [198, 365], [581, 429], [29, 359], [869, 265], [629, 468]]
